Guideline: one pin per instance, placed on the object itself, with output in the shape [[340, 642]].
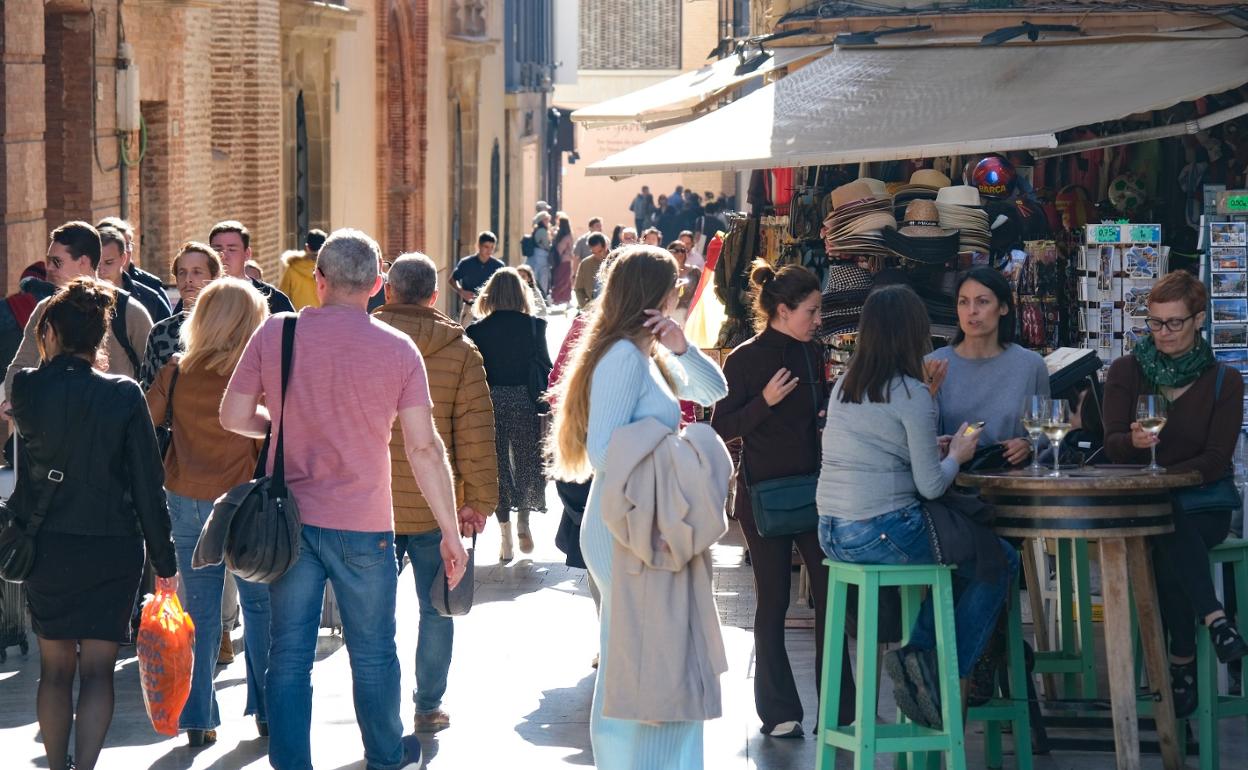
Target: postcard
[[1235, 358], [1226, 258], [1230, 335], [1135, 297], [1225, 309], [1141, 262], [1228, 284], [1229, 233]]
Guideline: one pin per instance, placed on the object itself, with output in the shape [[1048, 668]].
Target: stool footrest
[[892, 738]]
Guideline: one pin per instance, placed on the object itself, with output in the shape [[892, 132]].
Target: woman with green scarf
[[1205, 413]]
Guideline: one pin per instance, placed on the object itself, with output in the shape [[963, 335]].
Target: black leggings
[[91, 661], [1184, 583]]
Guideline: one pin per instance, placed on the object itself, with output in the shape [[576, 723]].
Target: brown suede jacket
[[462, 411]]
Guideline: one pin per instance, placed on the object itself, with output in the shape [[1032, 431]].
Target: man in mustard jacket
[[298, 280], [464, 416]]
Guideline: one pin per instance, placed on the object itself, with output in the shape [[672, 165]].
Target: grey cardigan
[[880, 457]]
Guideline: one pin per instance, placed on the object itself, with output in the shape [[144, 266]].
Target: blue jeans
[[900, 537], [201, 589], [540, 262], [437, 634], [361, 568]]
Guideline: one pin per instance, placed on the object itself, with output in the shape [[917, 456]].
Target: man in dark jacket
[[132, 270], [114, 258], [233, 242]]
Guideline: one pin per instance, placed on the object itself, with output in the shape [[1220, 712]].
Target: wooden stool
[[865, 738]]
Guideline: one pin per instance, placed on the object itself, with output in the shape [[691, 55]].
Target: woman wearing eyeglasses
[[1205, 412]]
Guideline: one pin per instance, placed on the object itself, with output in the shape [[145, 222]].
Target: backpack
[[118, 327], [528, 245]]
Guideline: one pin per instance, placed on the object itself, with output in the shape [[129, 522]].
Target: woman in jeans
[[540, 261], [204, 462], [1200, 434], [880, 462], [108, 504], [777, 390], [513, 344]]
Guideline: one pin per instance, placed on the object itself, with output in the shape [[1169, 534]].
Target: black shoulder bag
[[1216, 496], [539, 375], [264, 526], [18, 529], [786, 506], [164, 431]]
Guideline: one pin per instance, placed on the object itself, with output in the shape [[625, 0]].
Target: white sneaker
[[412, 759]]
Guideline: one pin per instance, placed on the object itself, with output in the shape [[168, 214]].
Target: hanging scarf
[[1163, 371]]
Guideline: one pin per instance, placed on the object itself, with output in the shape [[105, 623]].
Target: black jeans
[[1184, 584], [775, 692]]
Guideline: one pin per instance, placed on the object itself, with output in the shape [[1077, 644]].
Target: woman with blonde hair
[[633, 363], [203, 462], [517, 364]]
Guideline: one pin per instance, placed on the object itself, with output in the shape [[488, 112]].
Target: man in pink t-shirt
[[350, 378]]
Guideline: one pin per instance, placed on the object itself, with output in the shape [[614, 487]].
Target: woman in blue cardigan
[[634, 362]]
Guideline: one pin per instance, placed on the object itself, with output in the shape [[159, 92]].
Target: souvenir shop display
[[1117, 268], [1044, 281], [1226, 275]]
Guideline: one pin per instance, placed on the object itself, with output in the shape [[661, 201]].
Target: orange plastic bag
[[166, 650]]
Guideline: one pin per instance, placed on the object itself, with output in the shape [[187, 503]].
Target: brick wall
[[402, 77], [633, 35], [23, 230]]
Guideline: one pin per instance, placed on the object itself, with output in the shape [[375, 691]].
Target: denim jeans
[[900, 537], [540, 262], [202, 590], [361, 568], [437, 634]]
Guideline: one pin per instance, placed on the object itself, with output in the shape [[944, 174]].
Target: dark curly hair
[[790, 286], [79, 314]]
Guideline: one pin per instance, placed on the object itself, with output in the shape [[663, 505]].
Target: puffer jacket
[[462, 412], [299, 283], [113, 475]]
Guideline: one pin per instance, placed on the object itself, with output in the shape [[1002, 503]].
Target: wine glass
[[1150, 413], [1056, 425], [1035, 409]]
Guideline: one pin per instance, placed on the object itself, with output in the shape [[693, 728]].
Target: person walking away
[[882, 472], [297, 281], [632, 364], [586, 284], [233, 242], [351, 377], [535, 297], [114, 259], [133, 271], [563, 263], [642, 207], [74, 251], [777, 392], [106, 507], [540, 261], [464, 417], [1204, 405], [204, 461], [513, 345], [194, 267], [472, 272]]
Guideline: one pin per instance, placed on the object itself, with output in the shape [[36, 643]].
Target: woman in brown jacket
[[1205, 404], [205, 461], [464, 417], [777, 392]]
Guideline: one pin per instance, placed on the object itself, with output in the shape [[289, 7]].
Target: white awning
[[680, 97], [859, 104]]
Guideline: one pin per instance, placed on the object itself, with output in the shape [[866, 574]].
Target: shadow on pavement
[[562, 719]]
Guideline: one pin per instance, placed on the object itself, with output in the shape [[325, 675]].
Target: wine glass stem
[[1057, 458], [1153, 450], [1035, 453]]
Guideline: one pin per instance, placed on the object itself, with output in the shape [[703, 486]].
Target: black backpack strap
[[120, 332], [279, 456]]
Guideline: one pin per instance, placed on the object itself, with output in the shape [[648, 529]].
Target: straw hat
[[854, 191], [958, 195], [921, 238], [923, 221], [930, 178], [877, 187]]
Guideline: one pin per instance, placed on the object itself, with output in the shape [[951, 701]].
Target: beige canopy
[[866, 104]]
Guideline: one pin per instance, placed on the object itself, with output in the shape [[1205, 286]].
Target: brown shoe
[[431, 721], [226, 656]]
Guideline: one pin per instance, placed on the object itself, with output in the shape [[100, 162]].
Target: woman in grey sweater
[[880, 462]]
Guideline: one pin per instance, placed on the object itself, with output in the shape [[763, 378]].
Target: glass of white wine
[[1056, 425], [1150, 413], [1035, 409]]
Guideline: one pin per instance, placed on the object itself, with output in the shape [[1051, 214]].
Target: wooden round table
[[1118, 507]]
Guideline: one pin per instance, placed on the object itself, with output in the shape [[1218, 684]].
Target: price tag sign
[[1105, 234], [1146, 234], [1233, 202]]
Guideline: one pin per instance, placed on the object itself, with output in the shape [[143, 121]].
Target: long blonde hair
[[505, 290], [641, 278], [225, 315]]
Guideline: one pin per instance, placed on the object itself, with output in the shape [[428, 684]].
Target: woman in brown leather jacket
[[93, 428]]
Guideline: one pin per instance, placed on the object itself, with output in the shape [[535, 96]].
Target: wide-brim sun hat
[[857, 190], [958, 195]]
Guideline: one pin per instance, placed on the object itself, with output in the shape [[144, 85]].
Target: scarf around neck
[[1163, 371]]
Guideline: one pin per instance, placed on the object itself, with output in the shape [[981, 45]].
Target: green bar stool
[[1214, 707], [865, 739], [1076, 657]]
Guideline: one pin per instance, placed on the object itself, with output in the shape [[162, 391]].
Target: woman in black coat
[[90, 434]]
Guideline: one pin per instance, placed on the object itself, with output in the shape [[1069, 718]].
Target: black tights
[[93, 661]]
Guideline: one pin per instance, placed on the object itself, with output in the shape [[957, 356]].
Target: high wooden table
[[1118, 508]]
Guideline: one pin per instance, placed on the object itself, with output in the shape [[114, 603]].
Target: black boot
[[1227, 642], [1183, 686]]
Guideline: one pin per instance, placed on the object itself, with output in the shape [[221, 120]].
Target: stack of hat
[[920, 238], [924, 184], [959, 208], [847, 288], [860, 212]]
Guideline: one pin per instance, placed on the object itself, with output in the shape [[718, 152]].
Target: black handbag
[[786, 506], [539, 375], [264, 528], [451, 603], [987, 458], [1216, 496], [164, 431]]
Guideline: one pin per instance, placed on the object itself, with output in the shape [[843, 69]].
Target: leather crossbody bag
[[786, 506], [1216, 496], [164, 431]]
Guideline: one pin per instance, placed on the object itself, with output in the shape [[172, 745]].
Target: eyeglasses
[[1173, 324]]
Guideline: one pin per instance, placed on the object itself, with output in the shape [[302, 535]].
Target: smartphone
[[973, 427]]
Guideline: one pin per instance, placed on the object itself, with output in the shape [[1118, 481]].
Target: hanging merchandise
[[1126, 194], [1117, 268], [959, 208], [1225, 268], [841, 303], [994, 176], [1044, 298]]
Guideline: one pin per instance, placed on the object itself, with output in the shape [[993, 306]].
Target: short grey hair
[[349, 260], [413, 277]]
